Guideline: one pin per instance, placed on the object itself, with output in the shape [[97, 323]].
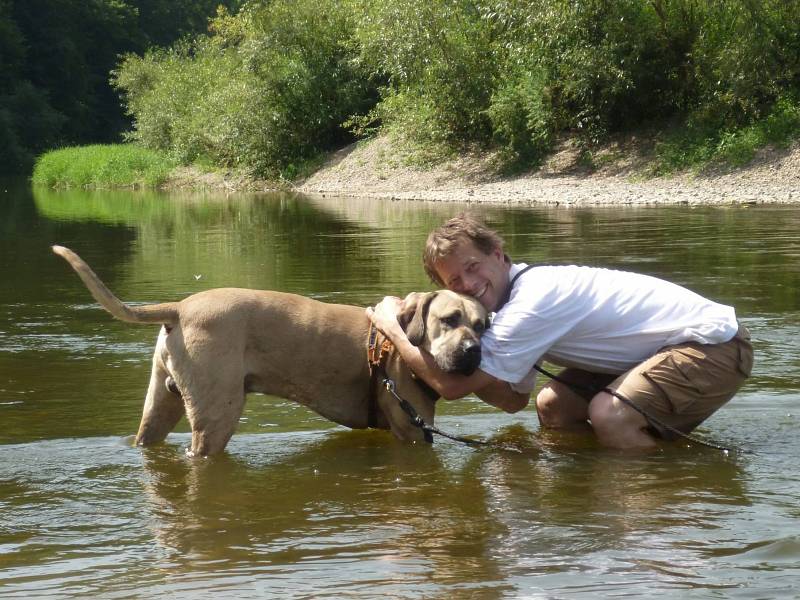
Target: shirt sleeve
[[527, 384], [538, 314]]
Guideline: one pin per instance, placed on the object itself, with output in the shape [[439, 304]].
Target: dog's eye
[[451, 321], [479, 326]]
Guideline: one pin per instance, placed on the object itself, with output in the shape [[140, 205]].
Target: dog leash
[[418, 421]]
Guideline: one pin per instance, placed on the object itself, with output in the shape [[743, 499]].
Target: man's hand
[[384, 317]]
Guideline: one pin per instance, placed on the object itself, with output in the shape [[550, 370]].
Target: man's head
[[467, 257]]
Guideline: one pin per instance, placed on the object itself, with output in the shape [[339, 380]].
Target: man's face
[[467, 270]]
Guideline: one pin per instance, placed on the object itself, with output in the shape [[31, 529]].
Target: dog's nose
[[472, 347], [471, 357]]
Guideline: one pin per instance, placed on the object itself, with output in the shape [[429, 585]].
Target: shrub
[[522, 118], [271, 88], [438, 61], [699, 143]]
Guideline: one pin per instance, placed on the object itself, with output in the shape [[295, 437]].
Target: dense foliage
[[271, 86], [283, 80], [268, 88], [55, 59]]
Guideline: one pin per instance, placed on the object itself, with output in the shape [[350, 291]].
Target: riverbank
[[616, 177], [616, 174]]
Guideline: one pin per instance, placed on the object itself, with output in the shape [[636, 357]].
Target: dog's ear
[[413, 315]]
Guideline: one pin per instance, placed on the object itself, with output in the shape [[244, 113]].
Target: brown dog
[[217, 345]]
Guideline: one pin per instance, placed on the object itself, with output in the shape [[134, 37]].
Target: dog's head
[[448, 325]]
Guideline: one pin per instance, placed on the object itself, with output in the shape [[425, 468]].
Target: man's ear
[[413, 315]]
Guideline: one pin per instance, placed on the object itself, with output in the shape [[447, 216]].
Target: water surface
[[300, 508]]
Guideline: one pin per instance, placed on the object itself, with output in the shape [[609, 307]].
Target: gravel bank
[[373, 169]]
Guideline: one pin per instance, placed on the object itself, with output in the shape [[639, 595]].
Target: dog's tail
[[166, 313]]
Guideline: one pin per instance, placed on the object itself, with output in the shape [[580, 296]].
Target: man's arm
[[449, 385], [499, 394]]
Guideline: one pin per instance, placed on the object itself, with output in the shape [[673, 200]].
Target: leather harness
[[377, 354], [376, 359]]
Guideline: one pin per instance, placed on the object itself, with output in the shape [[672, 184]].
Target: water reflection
[[355, 499], [351, 497], [718, 251]]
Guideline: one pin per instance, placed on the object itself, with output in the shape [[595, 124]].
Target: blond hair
[[444, 239]]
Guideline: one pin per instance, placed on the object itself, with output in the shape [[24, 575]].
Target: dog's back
[[291, 344]]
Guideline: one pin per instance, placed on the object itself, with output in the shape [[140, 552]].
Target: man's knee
[[616, 424], [558, 407], [546, 405]]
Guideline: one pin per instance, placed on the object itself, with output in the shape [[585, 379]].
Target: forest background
[[270, 86], [56, 58]]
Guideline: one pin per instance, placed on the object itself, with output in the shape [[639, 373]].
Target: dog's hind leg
[[163, 407], [213, 411], [162, 410]]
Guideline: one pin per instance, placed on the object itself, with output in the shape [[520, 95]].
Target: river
[[299, 508]]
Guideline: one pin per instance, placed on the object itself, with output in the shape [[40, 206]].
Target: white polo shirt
[[599, 320]]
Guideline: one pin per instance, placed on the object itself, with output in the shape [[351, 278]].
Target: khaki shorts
[[684, 384]]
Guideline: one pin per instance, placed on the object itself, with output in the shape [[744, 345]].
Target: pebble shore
[[370, 170]]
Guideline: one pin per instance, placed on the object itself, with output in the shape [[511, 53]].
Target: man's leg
[[562, 406], [681, 387]]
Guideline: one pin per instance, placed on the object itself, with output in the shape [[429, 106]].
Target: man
[[638, 352]]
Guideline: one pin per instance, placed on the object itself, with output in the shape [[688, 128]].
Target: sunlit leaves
[[283, 80]]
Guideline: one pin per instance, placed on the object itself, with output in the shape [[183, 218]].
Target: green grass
[[695, 147], [102, 166]]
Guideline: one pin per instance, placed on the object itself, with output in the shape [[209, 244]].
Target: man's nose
[[470, 283]]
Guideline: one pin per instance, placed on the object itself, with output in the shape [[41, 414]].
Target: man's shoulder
[[548, 292]]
